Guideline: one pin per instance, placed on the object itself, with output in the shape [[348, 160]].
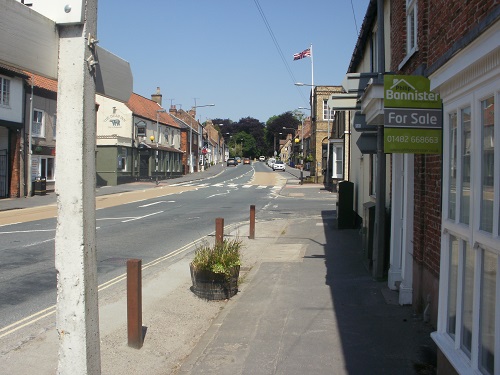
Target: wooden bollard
[[134, 303], [219, 230], [252, 222]]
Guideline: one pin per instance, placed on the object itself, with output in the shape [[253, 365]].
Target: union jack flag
[[301, 55]]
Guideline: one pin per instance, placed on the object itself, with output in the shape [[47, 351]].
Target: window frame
[[4, 91], [326, 109], [411, 27], [41, 134], [479, 242]]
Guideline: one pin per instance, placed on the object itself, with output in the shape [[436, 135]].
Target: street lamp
[[158, 139], [302, 146], [191, 138], [274, 144]]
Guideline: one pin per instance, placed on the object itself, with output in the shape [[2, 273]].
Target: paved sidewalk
[[306, 305], [310, 307]]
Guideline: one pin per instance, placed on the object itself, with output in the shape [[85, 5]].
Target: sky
[[224, 52]]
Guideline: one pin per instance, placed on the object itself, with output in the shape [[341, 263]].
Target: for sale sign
[[413, 118]]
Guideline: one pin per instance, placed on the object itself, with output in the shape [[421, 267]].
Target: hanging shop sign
[[413, 118]]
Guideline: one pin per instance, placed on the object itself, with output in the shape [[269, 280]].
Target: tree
[[275, 125], [251, 127]]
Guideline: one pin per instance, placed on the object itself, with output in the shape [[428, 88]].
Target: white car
[[262, 158], [278, 166], [270, 162]]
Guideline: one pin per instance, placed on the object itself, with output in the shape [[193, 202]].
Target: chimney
[[157, 97], [192, 112], [173, 110]]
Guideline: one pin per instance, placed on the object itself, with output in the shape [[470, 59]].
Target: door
[[4, 190], [144, 165]]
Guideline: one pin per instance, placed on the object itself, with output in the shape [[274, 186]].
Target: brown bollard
[[134, 303], [252, 222], [219, 230]]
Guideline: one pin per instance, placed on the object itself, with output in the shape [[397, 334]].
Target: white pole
[[77, 311], [328, 149]]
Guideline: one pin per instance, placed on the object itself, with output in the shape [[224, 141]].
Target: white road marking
[[142, 217]]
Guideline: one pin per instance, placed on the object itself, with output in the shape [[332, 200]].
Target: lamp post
[[158, 140], [302, 146], [190, 141], [274, 144]]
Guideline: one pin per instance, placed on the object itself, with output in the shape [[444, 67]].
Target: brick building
[[445, 208]]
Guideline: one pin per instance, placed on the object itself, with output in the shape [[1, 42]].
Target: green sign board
[[409, 92], [413, 141], [413, 118]]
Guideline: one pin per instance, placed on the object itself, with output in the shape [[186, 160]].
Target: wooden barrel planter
[[214, 286]]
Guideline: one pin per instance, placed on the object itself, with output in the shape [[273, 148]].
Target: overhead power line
[[278, 48]]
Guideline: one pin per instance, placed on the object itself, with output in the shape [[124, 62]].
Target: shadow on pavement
[[377, 335]]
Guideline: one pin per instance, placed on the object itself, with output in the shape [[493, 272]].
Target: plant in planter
[[215, 270]]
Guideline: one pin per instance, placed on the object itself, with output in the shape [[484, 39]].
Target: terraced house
[[443, 252]]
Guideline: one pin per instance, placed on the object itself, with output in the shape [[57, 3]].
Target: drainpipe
[[379, 243]]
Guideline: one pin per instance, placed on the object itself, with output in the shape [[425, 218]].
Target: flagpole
[[313, 112], [312, 67]]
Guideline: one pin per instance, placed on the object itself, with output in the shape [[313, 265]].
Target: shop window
[[466, 165], [471, 229], [488, 163], [452, 287], [487, 321], [43, 167]]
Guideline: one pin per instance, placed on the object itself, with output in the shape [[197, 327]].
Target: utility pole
[[77, 312]]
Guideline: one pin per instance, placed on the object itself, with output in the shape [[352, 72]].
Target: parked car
[[246, 160], [232, 162], [270, 162], [262, 158], [278, 166]]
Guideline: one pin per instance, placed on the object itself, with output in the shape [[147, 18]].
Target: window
[[4, 91], [452, 287], [141, 129], [488, 163], [467, 298], [37, 127], [471, 228], [122, 159], [411, 26], [487, 322], [338, 162], [465, 150], [327, 112], [43, 167], [452, 192]]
